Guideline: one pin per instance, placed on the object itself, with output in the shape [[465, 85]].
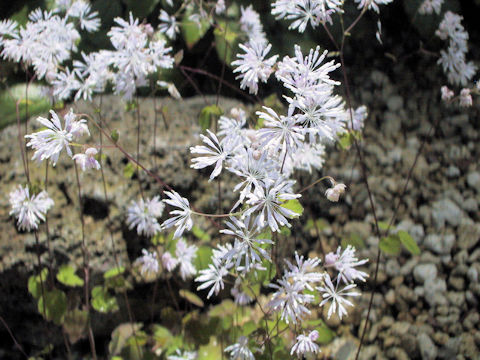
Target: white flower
[[333, 194], [240, 350], [168, 261], [251, 25], [220, 7], [429, 6], [171, 88], [306, 75], [241, 298], [372, 4], [268, 202], [149, 262], [82, 10], [253, 66], [50, 142], [185, 255], [290, 300], [247, 244], [168, 25], [143, 215], [213, 276], [64, 84], [283, 132], [28, 209], [183, 217], [345, 264], [306, 11], [453, 60], [359, 116], [185, 355], [330, 292], [447, 94], [465, 98], [87, 160], [216, 153], [303, 271], [306, 344]]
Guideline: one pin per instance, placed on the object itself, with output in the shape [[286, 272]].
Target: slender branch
[[86, 269], [17, 345]]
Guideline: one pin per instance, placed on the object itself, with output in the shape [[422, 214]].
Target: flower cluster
[[453, 60], [29, 209]]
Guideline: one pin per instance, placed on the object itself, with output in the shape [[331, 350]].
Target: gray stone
[[434, 292], [446, 211], [473, 180], [428, 350], [472, 274], [469, 235], [452, 172], [392, 268], [425, 272], [440, 244], [395, 103]]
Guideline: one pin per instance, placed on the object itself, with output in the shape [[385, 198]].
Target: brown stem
[[86, 271], [17, 345]]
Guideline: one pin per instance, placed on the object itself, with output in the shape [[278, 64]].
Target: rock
[[434, 292], [425, 272], [390, 297], [468, 347], [440, 244], [452, 172], [428, 350], [392, 268], [446, 211], [473, 180], [457, 283], [416, 231], [395, 103], [472, 274], [469, 235]]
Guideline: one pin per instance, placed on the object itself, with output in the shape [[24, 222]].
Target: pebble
[[424, 272], [440, 244], [446, 212], [473, 180], [469, 235], [428, 350]]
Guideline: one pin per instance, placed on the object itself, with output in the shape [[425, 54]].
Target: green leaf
[[382, 225], [295, 206], [200, 234], [191, 31], [345, 141], [75, 324], [162, 336], [55, 306], [408, 242], [211, 351], [208, 114], [285, 231], [115, 135], [248, 328], [66, 275], [226, 40], [120, 336], [390, 245], [191, 297], [141, 9], [102, 301], [129, 170], [114, 272], [355, 240], [35, 285], [203, 258], [266, 276]]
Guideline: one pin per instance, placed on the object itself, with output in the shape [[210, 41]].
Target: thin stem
[[138, 147], [17, 345], [316, 182], [86, 271]]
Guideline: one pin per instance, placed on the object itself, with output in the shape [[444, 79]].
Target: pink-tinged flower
[[148, 262], [253, 65], [87, 160], [447, 94], [186, 254], [143, 215], [182, 218], [465, 98], [331, 293], [345, 263], [49, 143], [333, 194], [28, 209], [168, 261], [306, 344]]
